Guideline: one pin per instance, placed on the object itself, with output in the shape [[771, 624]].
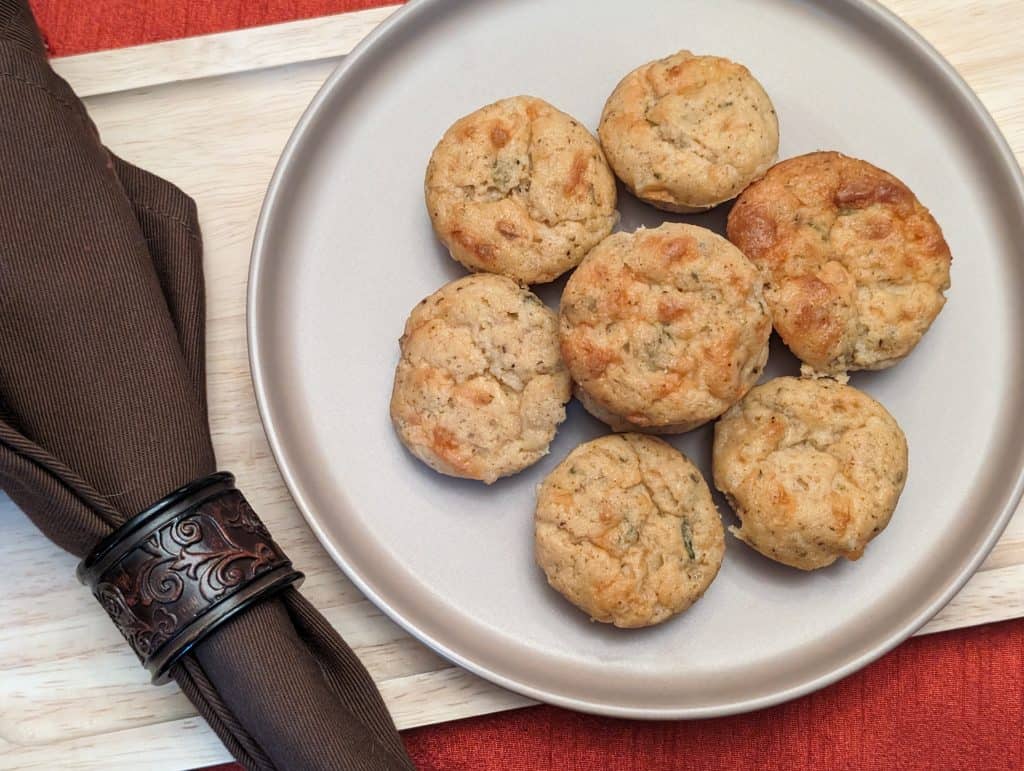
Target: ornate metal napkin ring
[[175, 572]]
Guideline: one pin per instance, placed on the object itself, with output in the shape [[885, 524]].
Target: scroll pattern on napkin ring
[[175, 572]]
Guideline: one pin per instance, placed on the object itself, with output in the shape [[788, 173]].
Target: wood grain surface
[[212, 114]]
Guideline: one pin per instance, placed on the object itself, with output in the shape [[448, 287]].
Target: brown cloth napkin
[[103, 407]]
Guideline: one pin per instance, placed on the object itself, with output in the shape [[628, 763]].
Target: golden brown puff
[[480, 387], [521, 189], [813, 469], [626, 530], [688, 132], [856, 266], [664, 329]]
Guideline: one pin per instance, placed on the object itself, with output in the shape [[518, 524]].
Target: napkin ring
[[172, 574]]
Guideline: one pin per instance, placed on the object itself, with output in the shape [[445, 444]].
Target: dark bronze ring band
[[172, 574]]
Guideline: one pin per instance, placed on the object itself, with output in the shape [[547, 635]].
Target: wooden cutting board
[[212, 114]]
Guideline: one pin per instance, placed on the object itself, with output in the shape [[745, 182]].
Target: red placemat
[[78, 26], [948, 701]]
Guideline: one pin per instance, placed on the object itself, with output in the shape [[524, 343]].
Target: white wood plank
[[170, 746], [431, 697], [992, 595], [205, 56]]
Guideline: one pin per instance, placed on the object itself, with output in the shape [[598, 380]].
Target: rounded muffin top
[[666, 328], [521, 189], [812, 468], [856, 266], [688, 132], [480, 387], [626, 529]]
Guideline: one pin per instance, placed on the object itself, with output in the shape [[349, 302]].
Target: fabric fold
[[103, 407]]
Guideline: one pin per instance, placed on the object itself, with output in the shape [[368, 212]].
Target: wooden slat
[[208, 56], [422, 699], [991, 595]]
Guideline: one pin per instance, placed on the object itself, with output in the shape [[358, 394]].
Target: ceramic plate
[[344, 250]]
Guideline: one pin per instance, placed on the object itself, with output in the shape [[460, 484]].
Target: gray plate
[[344, 250]]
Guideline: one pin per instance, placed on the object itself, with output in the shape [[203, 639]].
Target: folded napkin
[[103, 408]]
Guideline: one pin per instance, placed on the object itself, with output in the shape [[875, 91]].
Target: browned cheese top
[[856, 266]]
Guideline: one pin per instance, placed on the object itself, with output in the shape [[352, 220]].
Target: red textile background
[[950, 701], [77, 26]]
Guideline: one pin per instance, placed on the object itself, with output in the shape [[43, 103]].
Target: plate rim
[[879, 15]]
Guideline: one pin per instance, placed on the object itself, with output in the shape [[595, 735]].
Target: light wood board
[[212, 114]]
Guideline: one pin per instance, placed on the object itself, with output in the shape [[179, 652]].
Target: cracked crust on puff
[[626, 530], [480, 388], [686, 133], [521, 189], [856, 266], [664, 329], [812, 468]]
